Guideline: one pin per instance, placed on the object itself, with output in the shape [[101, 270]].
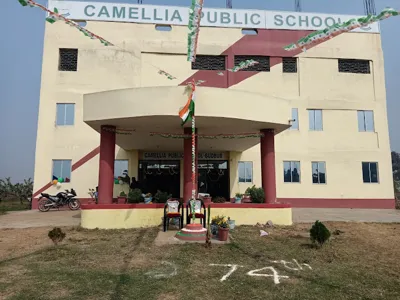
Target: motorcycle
[[47, 201]]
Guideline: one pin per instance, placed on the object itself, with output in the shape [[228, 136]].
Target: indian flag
[[187, 111]]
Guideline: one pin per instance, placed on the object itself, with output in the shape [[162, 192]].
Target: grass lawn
[[6, 206], [362, 262]]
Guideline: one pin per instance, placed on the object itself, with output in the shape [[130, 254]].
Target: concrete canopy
[[155, 109]]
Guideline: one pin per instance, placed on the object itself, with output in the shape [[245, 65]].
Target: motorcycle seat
[[45, 195]]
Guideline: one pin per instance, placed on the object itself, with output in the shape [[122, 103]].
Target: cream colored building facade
[[120, 86]]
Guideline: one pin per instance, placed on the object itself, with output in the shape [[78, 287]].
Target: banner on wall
[[211, 17], [179, 155]]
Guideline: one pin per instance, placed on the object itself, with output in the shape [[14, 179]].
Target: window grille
[[68, 60], [262, 66], [209, 62], [354, 66], [289, 64]]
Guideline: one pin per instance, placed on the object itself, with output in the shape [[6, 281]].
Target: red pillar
[[187, 165], [267, 145], [106, 167]]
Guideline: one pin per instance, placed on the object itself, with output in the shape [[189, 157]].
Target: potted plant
[[161, 197], [214, 225], [238, 198], [257, 194], [122, 198], [223, 229], [148, 198], [246, 197], [135, 196]]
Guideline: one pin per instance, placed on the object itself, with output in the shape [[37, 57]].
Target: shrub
[[219, 200], [319, 234], [122, 194], [135, 196], [257, 194], [161, 197], [56, 235]]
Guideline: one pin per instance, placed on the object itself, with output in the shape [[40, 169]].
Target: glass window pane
[[314, 167], [311, 119], [287, 176], [361, 120], [120, 165], [249, 171], [66, 170], [369, 120], [321, 172], [373, 167], [56, 169], [365, 171], [69, 114], [318, 119], [242, 172], [295, 171], [60, 117], [295, 117]]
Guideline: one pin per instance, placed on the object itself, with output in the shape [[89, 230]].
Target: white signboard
[[114, 12], [179, 155]]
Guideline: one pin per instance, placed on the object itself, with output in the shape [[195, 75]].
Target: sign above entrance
[[211, 17], [179, 155]]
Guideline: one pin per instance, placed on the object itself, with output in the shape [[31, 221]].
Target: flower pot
[[231, 224], [246, 199], [148, 200], [223, 234], [121, 200], [238, 200]]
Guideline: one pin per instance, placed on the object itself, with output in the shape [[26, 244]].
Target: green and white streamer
[[337, 29], [243, 65], [169, 76], [194, 28]]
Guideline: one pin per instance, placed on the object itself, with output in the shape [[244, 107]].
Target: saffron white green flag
[[187, 111]]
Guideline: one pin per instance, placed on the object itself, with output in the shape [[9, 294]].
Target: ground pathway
[[34, 218]]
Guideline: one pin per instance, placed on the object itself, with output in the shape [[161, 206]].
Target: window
[[354, 66], [295, 119], [245, 171], [163, 27], [370, 172], [291, 171], [62, 169], [209, 62], [247, 31], [120, 166], [65, 114], [289, 65], [366, 120], [315, 119], [68, 60], [262, 66], [318, 172]]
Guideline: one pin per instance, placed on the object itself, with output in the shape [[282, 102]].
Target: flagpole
[[193, 167]]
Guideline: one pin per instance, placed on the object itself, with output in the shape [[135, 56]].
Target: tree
[[18, 191], [396, 170]]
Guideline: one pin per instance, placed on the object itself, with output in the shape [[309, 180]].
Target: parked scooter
[[47, 201]]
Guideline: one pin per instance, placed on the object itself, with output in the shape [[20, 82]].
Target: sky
[[22, 32]]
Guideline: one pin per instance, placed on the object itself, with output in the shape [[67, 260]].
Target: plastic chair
[[172, 209], [199, 204]]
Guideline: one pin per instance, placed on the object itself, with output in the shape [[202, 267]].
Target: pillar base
[[192, 232]]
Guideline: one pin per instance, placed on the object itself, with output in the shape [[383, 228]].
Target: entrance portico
[[128, 109]]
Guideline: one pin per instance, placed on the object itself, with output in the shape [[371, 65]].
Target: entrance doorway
[[214, 178], [163, 175]]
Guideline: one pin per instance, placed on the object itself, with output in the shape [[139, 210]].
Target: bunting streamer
[[243, 65], [169, 76], [336, 29], [55, 16], [207, 136], [194, 28]]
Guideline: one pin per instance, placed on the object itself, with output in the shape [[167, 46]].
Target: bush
[[122, 194], [256, 194], [135, 196], [56, 235], [161, 197], [219, 200], [319, 234]]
